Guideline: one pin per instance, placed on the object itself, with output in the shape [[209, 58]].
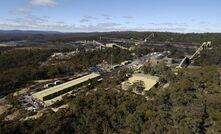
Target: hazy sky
[[111, 15]]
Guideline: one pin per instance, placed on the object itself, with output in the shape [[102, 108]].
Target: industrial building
[[149, 81], [53, 94]]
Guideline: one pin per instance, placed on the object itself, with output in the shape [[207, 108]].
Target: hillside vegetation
[[190, 105]]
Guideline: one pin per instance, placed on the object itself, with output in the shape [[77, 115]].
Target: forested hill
[[58, 36]]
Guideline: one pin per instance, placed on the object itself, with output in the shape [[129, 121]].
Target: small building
[[149, 81]]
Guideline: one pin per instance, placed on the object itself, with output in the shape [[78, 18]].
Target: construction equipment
[[98, 43], [109, 45], [120, 40], [149, 37], [187, 61], [135, 41]]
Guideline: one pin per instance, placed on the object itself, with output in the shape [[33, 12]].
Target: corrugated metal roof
[[39, 95]]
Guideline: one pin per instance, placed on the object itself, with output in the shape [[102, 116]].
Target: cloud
[[170, 24], [112, 24], [60, 22], [20, 11], [25, 21], [128, 22], [24, 16], [43, 23], [107, 16], [32, 22], [100, 27], [203, 23], [87, 19], [128, 17], [168, 29], [48, 3]]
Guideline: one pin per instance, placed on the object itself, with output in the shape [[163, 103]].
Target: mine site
[[67, 68]]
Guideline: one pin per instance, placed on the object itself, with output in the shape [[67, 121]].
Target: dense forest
[[210, 57], [191, 104]]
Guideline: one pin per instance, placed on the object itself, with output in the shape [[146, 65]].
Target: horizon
[[198, 16], [60, 32]]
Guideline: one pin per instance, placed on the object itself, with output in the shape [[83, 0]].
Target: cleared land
[[149, 81]]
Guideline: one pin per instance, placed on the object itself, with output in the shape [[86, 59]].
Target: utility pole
[[111, 60]]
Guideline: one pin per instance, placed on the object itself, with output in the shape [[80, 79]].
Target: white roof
[[39, 95]]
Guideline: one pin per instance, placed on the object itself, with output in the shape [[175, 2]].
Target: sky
[[182, 16]]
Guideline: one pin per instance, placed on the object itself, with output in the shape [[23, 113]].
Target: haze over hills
[[58, 32], [16, 35], [28, 32]]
